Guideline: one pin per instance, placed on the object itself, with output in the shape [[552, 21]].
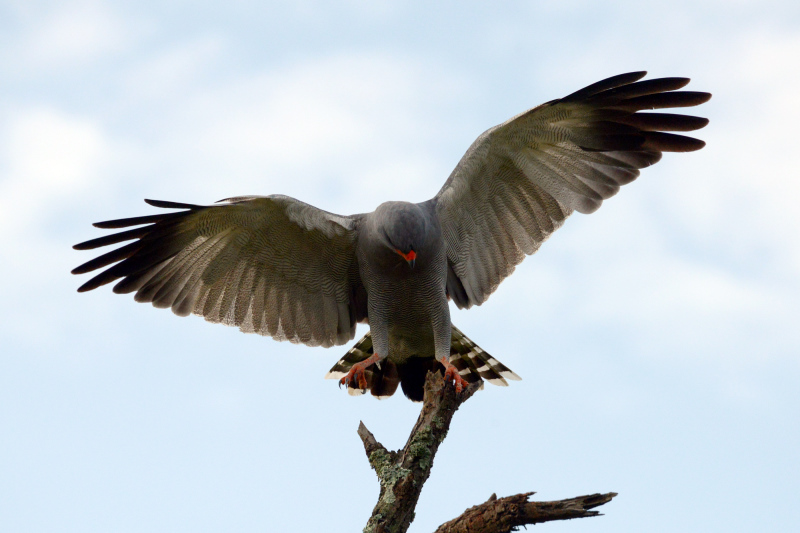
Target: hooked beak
[[410, 257]]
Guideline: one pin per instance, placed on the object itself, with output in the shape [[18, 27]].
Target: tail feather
[[382, 378], [472, 362], [479, 362]]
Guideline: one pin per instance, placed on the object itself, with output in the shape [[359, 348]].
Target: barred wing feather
[[519, 181], [270, 265]]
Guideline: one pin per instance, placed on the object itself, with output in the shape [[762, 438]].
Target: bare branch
[[370, 444], [506, 514], [403, 473]]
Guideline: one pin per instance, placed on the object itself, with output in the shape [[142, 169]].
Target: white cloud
[[63, 35], [670, 313], [49, 157], [346, 121], [172, 72], [369, 9], [323, 131], [50, 160], [349, 130], [742, 192]]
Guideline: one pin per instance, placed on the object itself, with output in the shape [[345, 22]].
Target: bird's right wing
[[520, 180], [271, 265]]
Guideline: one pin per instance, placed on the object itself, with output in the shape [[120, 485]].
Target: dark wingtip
[[678, 82], [92, 243], [626, 78], [606, 84], [697, 145], [669, 142], [86, 287], [170, 205], [663, 100], [699, 97], [82, 269], [138, 221], [98, 281], [109, 224]]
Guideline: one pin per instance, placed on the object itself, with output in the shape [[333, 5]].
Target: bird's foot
[[357, 374], [451, 375]]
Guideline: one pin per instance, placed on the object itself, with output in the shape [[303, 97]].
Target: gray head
[[403, 227]]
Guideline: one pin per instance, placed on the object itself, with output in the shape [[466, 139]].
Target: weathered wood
[[505, 514], [403, 473]]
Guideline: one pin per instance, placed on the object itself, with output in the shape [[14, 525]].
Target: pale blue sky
[[657, 339]]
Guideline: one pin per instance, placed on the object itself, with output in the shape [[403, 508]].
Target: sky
[[657, 338]]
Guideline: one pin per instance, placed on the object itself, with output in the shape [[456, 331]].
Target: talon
[[357, 374], [451, 375]]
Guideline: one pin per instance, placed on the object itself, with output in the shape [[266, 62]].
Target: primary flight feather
[[276, 266]]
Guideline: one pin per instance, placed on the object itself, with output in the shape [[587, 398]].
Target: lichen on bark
[[420, 447]]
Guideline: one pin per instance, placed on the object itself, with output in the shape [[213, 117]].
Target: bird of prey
[[280, 267]]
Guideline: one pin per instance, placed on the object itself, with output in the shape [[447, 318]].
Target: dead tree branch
[[403, 473], [506, 514]]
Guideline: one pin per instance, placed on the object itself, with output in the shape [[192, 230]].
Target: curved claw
[[451, 375], [357, 374]]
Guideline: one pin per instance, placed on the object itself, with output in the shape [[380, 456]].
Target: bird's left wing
[[520, 180], [271, 265]]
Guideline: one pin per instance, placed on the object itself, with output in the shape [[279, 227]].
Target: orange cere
[[410, 256]]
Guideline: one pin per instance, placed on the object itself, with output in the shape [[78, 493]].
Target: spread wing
[[520, 180], [271, 265]]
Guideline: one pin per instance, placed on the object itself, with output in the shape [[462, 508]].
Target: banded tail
[[472, 363]]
